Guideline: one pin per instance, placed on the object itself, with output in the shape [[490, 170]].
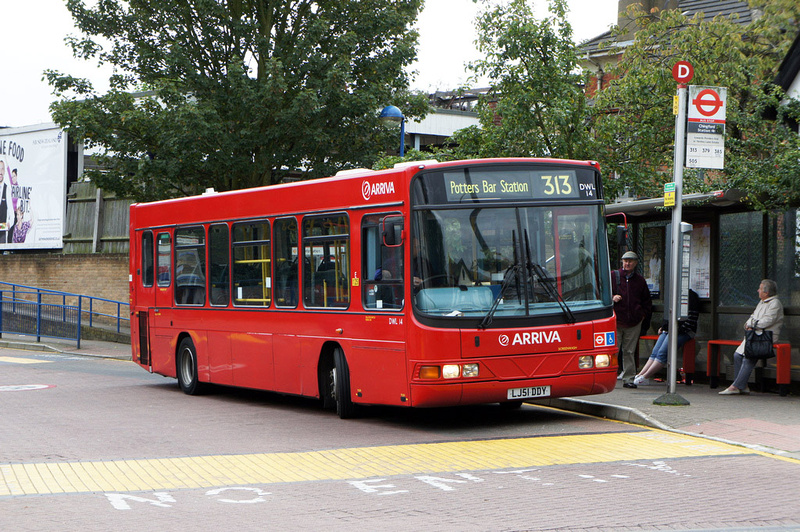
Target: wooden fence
[[96, 222]]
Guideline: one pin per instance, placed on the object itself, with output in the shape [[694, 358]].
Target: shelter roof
[[654, 207]]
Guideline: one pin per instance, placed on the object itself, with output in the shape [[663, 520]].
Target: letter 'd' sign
[[683, 72]]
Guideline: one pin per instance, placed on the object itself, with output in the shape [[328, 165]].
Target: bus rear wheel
[[340, 375], [187, 368]]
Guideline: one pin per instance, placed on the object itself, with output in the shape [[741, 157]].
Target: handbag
[[758, 346]]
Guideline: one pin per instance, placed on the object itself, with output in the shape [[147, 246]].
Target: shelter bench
[[689, 351], [783, 376]]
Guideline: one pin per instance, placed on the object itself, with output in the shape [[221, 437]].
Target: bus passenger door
[[144, 296], [163, 352]]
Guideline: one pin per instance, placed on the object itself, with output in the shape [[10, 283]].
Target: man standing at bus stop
[[632, 303]]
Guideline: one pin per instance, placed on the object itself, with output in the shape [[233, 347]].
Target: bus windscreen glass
[[532, 260]]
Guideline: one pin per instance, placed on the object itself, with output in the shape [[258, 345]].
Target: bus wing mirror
[[392, 231]]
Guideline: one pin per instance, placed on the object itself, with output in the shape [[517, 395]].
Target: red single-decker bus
[[430, 284]]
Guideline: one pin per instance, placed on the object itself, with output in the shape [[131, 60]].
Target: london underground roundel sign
[[683, 72], [708, 102]]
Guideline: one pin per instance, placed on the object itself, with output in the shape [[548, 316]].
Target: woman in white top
[[768, 316]]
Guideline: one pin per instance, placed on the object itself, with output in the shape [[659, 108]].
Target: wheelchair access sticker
[[604, 339]]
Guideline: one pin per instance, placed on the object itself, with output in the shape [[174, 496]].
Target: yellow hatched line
[[93, 475], [38, 484], [356, 463], [9, 484], [72, 478], [18, 360], [52, 485], [206, 467]]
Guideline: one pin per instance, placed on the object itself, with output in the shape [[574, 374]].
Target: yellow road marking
[[17, 360], [355, 463]]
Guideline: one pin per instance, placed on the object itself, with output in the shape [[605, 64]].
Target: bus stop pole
[[672, 398]]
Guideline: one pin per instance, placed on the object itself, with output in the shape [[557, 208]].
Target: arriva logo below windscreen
[[369, 190], [530, 338]]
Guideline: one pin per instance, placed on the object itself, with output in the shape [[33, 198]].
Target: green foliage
[[238, 93], [388, 161], [634, 124], [536, 106]]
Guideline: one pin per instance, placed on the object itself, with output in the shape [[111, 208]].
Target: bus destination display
[[552, 184]]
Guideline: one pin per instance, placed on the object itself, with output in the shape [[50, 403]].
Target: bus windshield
[[552, 259]]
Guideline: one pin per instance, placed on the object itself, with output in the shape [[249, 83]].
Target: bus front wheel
[[341, 386], [187, 368]]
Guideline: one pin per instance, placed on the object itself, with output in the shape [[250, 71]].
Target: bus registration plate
[[529, 393]]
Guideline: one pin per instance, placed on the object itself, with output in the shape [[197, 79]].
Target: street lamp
[[391, 114]]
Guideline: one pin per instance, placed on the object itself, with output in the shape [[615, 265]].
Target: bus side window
[[286, 280], [218, 262], [164, 259], [326, 261], [190, 266], [147, 258], [252, 264], [382, 256]]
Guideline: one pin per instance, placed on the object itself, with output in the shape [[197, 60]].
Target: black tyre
[[327, 386], [341, 386], [187, 368]]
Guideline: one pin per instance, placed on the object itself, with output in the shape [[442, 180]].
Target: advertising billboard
[[33, 187]]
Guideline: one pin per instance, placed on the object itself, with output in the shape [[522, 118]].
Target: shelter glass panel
[[740, 258], [783, 265]]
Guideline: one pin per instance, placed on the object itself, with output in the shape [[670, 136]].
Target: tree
[[235, 93], [634, 124], [535, 106]]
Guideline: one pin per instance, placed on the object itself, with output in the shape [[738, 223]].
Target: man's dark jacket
[[636, 302]]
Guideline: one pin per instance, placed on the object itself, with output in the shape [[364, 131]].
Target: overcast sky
[[33, 34]]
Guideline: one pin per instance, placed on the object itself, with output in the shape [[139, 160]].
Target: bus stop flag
[[705, 128]]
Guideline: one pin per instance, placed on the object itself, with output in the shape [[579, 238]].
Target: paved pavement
[[761, 421], [90, 348]]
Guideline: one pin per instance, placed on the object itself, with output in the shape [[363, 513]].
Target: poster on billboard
[[33, 187]]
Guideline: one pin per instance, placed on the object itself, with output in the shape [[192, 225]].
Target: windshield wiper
[[510, 275], [548, 283], [528, 281]]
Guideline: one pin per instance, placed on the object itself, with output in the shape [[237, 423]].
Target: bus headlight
[[469, 370], [602, 361], [451, 371], [585, 362]]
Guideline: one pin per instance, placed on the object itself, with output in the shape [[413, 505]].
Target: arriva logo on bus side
[[530, 338], [376, 189]]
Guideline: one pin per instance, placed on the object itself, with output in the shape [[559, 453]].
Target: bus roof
[[358, 188]]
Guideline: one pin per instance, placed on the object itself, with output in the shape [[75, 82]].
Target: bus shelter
[[733, 248]]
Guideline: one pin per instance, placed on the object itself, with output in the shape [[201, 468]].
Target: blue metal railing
[[39, 312]]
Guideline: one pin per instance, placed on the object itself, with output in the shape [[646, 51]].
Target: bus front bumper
[[467, 393]]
